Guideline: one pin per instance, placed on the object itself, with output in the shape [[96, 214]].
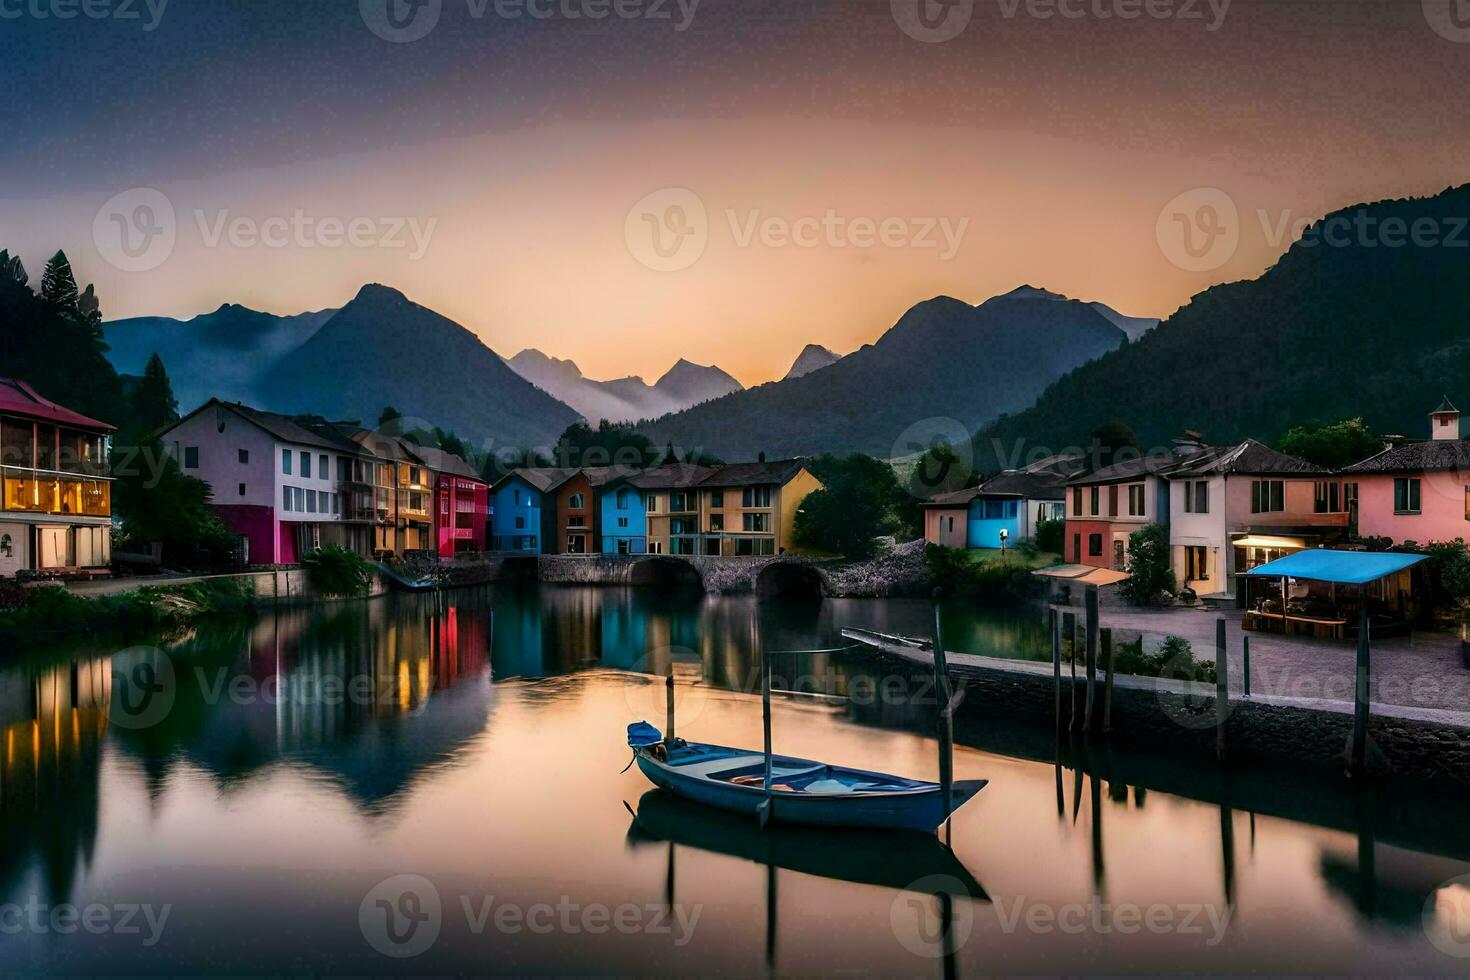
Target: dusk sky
[[493, 169]]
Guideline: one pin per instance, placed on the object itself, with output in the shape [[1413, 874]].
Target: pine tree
[[154, 405], [12, 269], [59, 285]]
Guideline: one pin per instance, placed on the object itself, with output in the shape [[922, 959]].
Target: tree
[[1333, 446], [1150, 575], [861, 500], [1112, 439], [12, 269], [155, 501], [59, 285], [387, 416], [153, 403], [939, 469]]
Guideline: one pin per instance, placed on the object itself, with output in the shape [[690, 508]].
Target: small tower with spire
[[1444, 422]]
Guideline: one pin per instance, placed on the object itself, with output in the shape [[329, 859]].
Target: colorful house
[[56, 509], [461, 506], [1236, 507], [1106, 505], [673, 513], [1004, 510], [523, 517], [284, 485], [410, 492], [623, 518], [1417, 492], [732, 510]]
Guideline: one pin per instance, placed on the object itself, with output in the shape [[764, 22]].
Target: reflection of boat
[[885, 858], [795, 790]]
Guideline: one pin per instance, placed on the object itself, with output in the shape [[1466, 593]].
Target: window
[[677, 503], [1113, 501], [717, 499], [1076, 547], [1268, 496], [755, 497], [576, 502], [244, 456], [286, 461], [577, 520], [285, 498], [520, 523], [624, 498], [242, 489], [652, 504], [306, 464], [517, 497], [1405, 495], [1076, 501], [951, 523], [757, 523], [344, 470], [1326, 499], [311, 501], [717, 522], [1197, 497], [1135, 500], [1467, 503], [1094, 545], [300, 496], [1118, 561], [1095, 498], [323, 471], [622, 522], [191, 457], [1196, 563]]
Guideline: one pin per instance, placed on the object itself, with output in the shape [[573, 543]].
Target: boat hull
[[918, 806]]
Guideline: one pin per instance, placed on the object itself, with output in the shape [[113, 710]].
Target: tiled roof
[[670, 477], [1249, 458], [1032, 486], [1417, 457], [441, 462], [753, 474], [1445, 406], [1133, 468], [19, 398], [298, 430]]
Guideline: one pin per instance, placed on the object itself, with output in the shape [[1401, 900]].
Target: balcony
[[84, 498]]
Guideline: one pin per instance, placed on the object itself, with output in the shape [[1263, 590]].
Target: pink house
[[1419, 491]]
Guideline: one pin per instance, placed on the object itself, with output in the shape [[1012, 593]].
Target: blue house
[[1013, 502], [989, 518], [517, 523], [623, 520]]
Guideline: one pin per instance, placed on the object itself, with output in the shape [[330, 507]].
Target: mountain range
[[1354, 321], [625, 399], [813, 357], [945, 366]]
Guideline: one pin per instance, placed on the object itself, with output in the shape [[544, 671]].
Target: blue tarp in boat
[[1342, 567], [641, 733]]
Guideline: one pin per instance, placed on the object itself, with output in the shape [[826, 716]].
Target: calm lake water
[[432, 785]]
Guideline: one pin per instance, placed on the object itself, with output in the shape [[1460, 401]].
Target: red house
[[461, 504]]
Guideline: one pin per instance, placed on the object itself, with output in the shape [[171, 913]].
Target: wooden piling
[[1111, 659], [1245, 663], [1056, 662], [946, 722], [1361, 693], [669, 710], [1222, 689], [1069, 623], [1092, 626]]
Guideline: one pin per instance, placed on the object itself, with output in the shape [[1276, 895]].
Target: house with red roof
[[56, 505]]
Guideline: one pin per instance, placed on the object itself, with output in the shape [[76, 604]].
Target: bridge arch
[[665, 572], [791, 580]]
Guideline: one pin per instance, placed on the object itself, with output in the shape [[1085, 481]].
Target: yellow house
[[735, 510]]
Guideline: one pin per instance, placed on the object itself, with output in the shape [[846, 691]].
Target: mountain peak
[[813, 357], [374, 292], [1028, 291]]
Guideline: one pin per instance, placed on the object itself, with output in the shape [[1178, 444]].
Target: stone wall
[[717, 575]]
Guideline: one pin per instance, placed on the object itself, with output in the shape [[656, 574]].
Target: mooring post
[[1056, 662], [1076, 715], [946, 722], [1092, 626], [1360, 692], [669, 710], [1222, 688], [1110, 658], [1245, 663]]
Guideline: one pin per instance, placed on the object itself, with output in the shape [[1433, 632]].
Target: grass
[[52, 609]]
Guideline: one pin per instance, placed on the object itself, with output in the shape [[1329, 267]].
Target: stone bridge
[[766, 576]]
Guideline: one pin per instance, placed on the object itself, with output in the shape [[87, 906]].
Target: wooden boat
[[801, 791], [886, 858]]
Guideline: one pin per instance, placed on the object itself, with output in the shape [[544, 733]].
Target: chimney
[[1444, 422], [761, 457]]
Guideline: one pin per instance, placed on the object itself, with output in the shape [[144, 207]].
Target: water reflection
[[475, 738]]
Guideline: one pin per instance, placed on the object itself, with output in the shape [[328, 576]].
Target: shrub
[[1051, 536], [335, 571], [1451, 563], [1151, 577], [1173, 657]]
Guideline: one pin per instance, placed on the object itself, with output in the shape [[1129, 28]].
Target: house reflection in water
[[52, 721]]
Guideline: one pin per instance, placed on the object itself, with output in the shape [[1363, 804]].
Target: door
[[55, 547], [1118, 555]]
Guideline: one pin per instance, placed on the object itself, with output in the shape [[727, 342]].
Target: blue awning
[[1343, 567]]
